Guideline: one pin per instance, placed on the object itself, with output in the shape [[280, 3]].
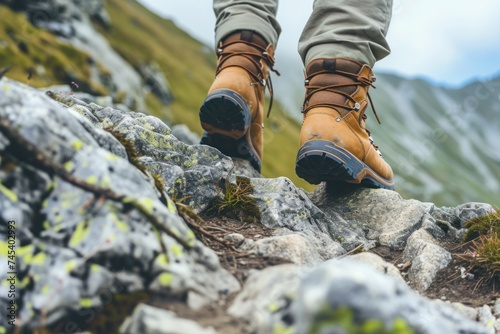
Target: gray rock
[[343, 293], [88, 244], [235, 238], [497, 326], [426, 257], [72, 20], [244, 168], [185, 135], [459, 215], [263, 292], [292, 246], [190, 172], [154, 79], [496, 308], [377, 263], [441, 229], [376, 214], [152, 320], [469, 312], [486, 318], [281, 204]]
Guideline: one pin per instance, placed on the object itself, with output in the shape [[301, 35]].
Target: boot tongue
[[241, 43]]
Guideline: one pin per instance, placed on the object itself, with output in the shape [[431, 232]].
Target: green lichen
[[165, 279], [66, 100], [133, 156], [12, 196], [77, 144], [328, 319], [80, 233]]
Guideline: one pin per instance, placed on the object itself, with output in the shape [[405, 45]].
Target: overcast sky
[[447, 41]]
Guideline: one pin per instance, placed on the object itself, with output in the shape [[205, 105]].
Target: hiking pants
[[354, 29]]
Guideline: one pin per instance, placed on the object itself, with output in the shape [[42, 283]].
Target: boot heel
[[321, 160], [226, 113]]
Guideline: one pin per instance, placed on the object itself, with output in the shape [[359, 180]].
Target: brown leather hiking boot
[[232, 113], [334, 142]]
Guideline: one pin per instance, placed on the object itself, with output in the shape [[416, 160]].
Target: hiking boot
[[232, 113], [334, 142]]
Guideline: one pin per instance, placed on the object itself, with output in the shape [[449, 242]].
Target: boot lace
[[259, 76], [359, 81]]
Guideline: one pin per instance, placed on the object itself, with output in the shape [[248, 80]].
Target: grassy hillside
[[38, 58], [141, 36]]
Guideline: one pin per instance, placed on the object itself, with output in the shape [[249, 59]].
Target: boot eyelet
[[357, 106], [338, 119]]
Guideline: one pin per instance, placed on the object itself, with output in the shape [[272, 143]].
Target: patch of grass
[[235, 200], [484, 235], [483, 226]]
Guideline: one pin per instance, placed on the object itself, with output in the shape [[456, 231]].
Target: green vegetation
[[235, 199], [40, 59], [484, 235]]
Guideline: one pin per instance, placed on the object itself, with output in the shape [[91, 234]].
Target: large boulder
[[88, 222], [342, 296]]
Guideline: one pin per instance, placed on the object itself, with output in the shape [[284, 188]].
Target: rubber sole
[[225, 117], [226, 113], [321, 160]]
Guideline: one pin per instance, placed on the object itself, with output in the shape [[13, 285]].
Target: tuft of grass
[[235, 199], [483, 226], [484, 235]]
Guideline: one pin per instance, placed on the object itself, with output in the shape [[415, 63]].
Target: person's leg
[[353, 29], [339, 45], [232, 113], [254, 15]]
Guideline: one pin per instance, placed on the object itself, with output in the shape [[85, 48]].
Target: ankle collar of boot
[[244, 36], [341, 66]]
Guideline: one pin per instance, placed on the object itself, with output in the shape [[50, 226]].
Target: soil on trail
[[463, 282], [237, 262], [451, 284]]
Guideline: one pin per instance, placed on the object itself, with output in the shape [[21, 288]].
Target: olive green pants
[[354, 29]]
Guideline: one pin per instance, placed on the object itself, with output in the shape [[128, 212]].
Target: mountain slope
[[440, 142]]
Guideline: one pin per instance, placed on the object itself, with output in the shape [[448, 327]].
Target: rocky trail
[[116, 218]]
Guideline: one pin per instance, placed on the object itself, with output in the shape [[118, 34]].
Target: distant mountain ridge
[[441, 142]]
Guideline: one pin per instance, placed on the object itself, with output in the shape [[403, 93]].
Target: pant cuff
[[256, 24], [340, 50]]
